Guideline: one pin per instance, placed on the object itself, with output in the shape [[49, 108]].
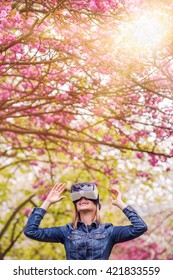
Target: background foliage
[[86, 95]]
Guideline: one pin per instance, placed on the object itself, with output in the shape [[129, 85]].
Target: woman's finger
[[61, 188], [57, 186], [114, 191], [61, 197]]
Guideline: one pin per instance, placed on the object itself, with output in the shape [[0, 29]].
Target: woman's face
[[85, 204]]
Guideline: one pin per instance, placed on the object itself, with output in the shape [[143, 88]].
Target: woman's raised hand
[[116, 196], [54, 195], [116, 199]]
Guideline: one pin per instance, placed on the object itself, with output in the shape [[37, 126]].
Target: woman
[[86, 238]]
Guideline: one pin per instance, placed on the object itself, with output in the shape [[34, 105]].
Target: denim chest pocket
[[98, 240], [76, 236], [76, 241], [97, 236]]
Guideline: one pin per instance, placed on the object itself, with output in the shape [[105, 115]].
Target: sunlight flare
[[149, 30]]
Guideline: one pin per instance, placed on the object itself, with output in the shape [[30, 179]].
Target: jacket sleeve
[[125, 233], [32, 230]]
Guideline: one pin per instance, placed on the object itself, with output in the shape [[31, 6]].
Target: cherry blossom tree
[[85, 94]]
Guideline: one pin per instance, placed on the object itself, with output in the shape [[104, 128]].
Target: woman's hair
[[76, 216]]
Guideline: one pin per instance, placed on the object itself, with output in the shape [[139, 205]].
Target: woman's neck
[[87, 217]]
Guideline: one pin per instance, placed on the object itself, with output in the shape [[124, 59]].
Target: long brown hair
[[76, 217]]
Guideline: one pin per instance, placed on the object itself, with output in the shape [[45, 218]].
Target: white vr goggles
[[87, 190]]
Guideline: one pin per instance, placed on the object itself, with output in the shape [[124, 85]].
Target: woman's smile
[[83, 202]]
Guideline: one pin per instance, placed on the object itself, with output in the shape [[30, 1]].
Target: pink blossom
[[160, 132], [163, 158], [153, 160], [83, 99], [17, 18], [1, 40], [45, 170], [124, 141], [171, 152], [139, 155], [108, 170], [11, 135], [38, 184], [114, 181], [168, 169], [75, 42], [3, 14], [40, 151], [71, 87], [98, 112], [89, 96], [135, 98], [142, 174], [90, 151], [27, 211], [65, 95], [17, 49], [142, 133], [49, 119], [35, 186], [9, 39], [138, 250], [107, 138], [96, 81], [96, 182], [4, 95], [170, 257], [43, 196], [92, 6], [132, 137], [33, 162]]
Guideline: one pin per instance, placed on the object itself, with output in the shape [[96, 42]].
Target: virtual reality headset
[[86, 190]]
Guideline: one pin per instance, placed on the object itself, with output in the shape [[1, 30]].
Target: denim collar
[[94, 224]]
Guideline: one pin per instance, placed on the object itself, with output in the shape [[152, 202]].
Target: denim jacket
[[92, 242]]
